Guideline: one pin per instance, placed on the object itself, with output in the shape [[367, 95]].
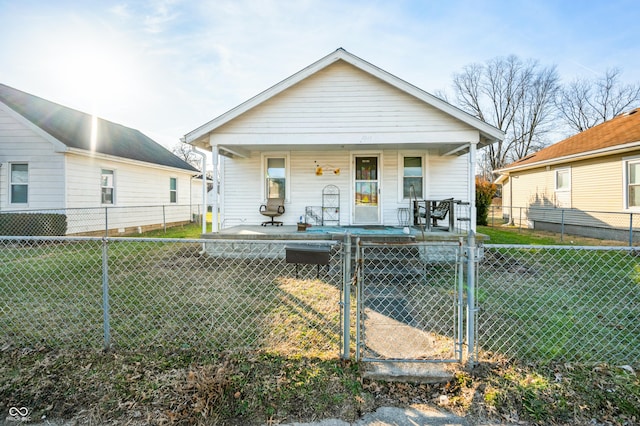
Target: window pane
[[366, 168], [19, 173], [412, 166], [634, 173], [417, 187], [562, 179], [172, 197], [367, 193], [275, 168], [634, 195], [107, 178], [172, 184], [19, 193], [107, 195], [275, 188]]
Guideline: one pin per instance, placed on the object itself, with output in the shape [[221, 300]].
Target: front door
[[367, 190]]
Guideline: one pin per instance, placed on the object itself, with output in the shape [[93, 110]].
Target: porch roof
[[444, 143]]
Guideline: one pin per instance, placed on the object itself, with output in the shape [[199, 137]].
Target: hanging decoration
[[320, 169]]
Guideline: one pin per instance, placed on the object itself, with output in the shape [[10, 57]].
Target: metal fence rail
[[560, 303], [606, 225], [98, 221]]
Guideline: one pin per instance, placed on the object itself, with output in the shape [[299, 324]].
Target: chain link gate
[[410, 302]]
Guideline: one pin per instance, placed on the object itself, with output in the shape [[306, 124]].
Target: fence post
[[562, 226], [164, 220], [519, 219], [460, 303], [471, 293], [105, 294], [630, 229], [346, 299], [106, 221], [358, 282]]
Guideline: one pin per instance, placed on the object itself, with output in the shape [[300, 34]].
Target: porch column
[[472, 186], [214, 171]]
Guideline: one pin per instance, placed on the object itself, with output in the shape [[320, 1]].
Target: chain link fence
[[99, 221], [617, 226], [167, 294], [559, 303], [539, 303]]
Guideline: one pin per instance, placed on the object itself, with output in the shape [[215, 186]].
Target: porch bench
[[307, 255]]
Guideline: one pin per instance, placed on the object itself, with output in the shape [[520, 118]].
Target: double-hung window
[[276, 177], [173, 190], [106, 186], [412, 176], [632, 183], [19, 183]]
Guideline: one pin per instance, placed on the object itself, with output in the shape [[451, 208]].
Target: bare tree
[[584, 103], [184, 151], [514, 95]]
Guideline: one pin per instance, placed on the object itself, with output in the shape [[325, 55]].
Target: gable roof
[[489, 134], [618, 134], [73, 129]]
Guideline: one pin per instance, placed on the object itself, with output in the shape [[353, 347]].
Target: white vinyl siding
[[21, 144], [341, 104]]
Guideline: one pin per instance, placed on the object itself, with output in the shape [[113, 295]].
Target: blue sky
[[167, 66]]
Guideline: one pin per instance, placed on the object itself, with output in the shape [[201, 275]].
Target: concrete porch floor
[[290, 232]]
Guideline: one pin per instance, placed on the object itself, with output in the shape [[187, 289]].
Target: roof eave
[[115, 158], [574, 157]]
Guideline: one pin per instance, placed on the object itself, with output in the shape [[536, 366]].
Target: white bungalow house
[[97, 173], [347, 127]]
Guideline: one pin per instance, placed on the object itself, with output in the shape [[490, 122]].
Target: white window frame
[[11, 183], [287, 174], [401, 157], [173, 192], [555, 174], [625, 182], [113, 187]]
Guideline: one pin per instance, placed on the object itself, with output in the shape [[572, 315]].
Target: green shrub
[[485, 191], [33, 224]]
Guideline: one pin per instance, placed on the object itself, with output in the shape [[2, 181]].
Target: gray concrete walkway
[[419, 415]]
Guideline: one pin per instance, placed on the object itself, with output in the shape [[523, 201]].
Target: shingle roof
[[620, 130], [73, 128]]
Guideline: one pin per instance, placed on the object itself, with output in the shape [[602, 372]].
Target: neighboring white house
[[54, 158], [344, 122]]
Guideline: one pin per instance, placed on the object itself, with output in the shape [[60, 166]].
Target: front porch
[[384, 234]]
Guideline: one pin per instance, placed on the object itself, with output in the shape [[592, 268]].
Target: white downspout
[[472, 186], [214, 205], [204, 187]]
